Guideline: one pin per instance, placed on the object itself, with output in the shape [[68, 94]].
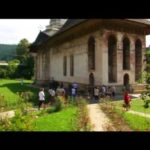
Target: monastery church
[[91, 51]]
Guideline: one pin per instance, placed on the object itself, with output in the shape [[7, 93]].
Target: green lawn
[[59, 121], [135, 122], [9, 89], [136, 105]]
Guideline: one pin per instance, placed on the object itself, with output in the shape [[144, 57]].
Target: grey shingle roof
[[43, 37], [71, 23]]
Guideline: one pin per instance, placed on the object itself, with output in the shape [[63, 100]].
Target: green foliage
[[146, 98], [26, 96], [3, 72], [27, 62], [146, 94], [57, 105], [22, 49], [21, 122], [27, 70], [12, 68], [147, 69]]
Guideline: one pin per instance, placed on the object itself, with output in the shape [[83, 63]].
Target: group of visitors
[[104, 91], [58, 90]]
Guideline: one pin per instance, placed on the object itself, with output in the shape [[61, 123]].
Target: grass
[[135, 122], [136, 105], [59, 121], [116, 113], [9, 89]]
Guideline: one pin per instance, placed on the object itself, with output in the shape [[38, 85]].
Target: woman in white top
[[41, 97]]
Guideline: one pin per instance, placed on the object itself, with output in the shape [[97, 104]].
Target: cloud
[[13, 30]]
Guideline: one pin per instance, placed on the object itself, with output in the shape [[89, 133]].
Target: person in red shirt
[[127, 99]]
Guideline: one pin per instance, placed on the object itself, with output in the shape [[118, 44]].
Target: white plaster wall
[[79, 48]]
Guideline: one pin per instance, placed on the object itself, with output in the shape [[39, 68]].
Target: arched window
[[138, 59], [112, 59], [126, 54], [91, 53]]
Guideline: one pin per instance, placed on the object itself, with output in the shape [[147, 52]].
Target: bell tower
[[54, 26]]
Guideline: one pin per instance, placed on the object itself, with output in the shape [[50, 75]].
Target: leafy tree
[[27, 70], [148, 66], [22, 50], [26, 67], [146, 94], [3, 72], [12, 68]]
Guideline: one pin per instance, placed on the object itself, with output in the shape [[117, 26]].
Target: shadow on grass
[[17, 88]]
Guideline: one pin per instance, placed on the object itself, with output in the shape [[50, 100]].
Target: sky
[[13, 30]]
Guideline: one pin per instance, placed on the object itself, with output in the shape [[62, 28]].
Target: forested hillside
[[7, 52]]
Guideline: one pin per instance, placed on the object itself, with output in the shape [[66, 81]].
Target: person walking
[[41, 98], [96, 93], [127, 100], [52, 96]]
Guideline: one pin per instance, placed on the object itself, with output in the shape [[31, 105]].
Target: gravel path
[[139, 113], [98, 119]]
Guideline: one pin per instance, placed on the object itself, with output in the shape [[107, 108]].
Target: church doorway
[[126, 80], [91, 79], [91, 84]]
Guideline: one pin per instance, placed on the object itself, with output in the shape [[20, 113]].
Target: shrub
[[146, 98], [57, 105], [21, 122]]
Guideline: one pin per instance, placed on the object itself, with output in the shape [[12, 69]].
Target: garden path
[[139, 113], [98, 119]]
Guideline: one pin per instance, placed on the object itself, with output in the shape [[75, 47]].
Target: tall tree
[[22, 50], [148, 66], [27, 63]]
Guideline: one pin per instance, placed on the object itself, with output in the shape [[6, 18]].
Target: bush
[[146, 98], [22, 121], [57, 105]]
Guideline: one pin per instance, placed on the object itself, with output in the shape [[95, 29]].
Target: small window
[[71, 65], [91, 53], [65, 65]]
